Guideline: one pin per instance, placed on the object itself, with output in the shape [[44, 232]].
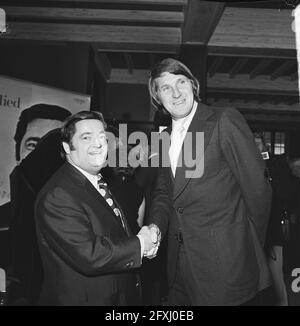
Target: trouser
[[262, 298], [180, 290]]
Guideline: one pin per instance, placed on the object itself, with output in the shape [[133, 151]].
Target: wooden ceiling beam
[[261, 93], [261, 83], [102, 58], [262, 30], [294, 76], [122, 76], [293, 100], [215, 65], [250, 52], [102, 63], [94, 15], [279, 121], [282, 69], [108, 37], [260, 68], [129, 62], [238, 66], [257, 97], [255, 105], [134, 2], [201, 19]]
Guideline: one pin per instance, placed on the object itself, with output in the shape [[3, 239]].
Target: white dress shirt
[[179, 130], [93, 178]]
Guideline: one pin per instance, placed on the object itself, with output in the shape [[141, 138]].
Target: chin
[[181, 114], [96, 168], [99, 165]]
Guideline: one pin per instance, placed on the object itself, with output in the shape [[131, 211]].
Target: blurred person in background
[[21, 257], [278, 231]]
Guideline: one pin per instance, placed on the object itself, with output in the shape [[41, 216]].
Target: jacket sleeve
[[247, 165], [161, 206], [64, 226]]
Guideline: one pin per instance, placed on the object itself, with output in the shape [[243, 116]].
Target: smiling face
[[89, 146], [175, 92]]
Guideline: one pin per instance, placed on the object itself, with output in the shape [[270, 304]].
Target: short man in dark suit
[[88, 252], [216, 218]]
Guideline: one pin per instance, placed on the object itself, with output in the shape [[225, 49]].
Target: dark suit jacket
[[88, 257], [223, 214]]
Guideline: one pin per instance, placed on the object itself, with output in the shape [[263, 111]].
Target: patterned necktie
[[106, 194]]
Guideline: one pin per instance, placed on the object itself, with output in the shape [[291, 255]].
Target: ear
[[157, 98], [196, 89], [66, 147], [194, 86]]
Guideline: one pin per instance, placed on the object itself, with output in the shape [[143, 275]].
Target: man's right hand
[[152, 243], [149, 239], [156, 238]]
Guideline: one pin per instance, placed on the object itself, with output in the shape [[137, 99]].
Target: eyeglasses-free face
[[175, 93]]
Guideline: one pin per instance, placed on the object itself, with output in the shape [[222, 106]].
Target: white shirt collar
[[91, 177]]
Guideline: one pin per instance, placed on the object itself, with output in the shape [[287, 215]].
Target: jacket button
[[128, 265], [180, 210]]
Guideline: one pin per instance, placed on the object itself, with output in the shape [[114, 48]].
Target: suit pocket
[[236, 255]]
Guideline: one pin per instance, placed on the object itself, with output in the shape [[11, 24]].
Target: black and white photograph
[[150, 155]]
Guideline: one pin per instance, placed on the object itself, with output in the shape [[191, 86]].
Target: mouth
[[179, 102], [95, 153]]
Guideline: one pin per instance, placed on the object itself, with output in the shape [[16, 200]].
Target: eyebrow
[[168, 84], [162, 86], [85, 133], [36, 139], [90, 133]]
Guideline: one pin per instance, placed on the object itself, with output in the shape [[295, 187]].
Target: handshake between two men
[[151, 239]]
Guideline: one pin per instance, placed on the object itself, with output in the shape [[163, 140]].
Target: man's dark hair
[[171, 66], [37, 111], [68, 129]]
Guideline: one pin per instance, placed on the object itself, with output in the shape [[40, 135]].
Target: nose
[[176, 92], [97, 142]]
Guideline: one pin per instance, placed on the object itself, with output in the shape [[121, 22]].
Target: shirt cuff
[[142, 242]]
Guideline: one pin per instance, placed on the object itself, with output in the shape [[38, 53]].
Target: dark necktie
[[106, 194]]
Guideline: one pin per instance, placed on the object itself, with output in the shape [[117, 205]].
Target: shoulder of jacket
[[225, 113]]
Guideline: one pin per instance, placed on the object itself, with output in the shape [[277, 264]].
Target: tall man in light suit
[[216, 221], [88, 252]]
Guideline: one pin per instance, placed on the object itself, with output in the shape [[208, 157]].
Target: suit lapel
[[126, 225], [199, 123], [85, 184]]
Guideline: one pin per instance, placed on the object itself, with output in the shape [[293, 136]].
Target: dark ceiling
[[128, 36]]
